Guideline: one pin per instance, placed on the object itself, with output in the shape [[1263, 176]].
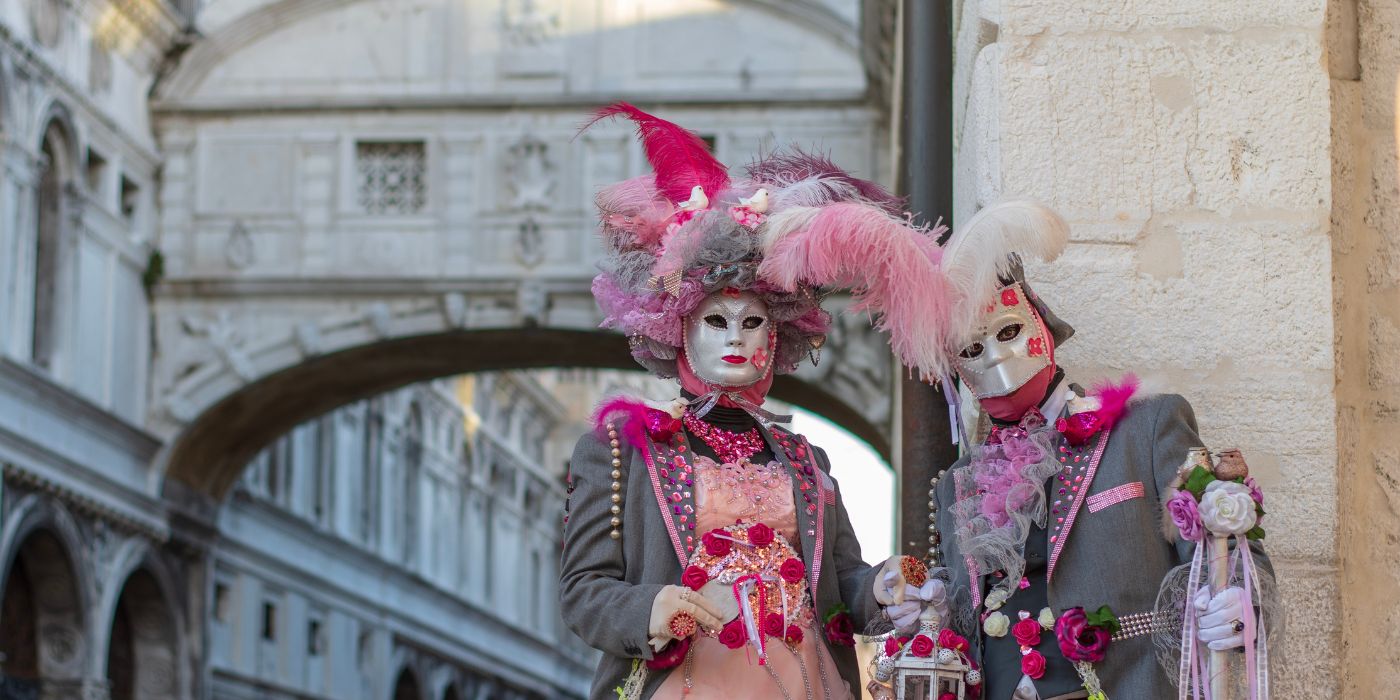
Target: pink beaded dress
[[735, 497]]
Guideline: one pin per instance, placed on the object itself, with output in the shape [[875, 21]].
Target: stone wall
[[1186, 142], [1364, 53]]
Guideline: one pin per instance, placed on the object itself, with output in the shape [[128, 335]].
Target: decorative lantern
[[931, 677]]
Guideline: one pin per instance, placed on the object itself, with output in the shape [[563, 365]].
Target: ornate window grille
[[392, 177]]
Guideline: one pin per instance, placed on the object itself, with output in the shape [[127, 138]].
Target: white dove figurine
[[758, 203], [697, 202]]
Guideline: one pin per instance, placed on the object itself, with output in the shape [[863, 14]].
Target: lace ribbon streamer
[[702, 404]]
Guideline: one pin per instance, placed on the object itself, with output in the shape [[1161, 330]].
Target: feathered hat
[[794, 227], [985, 254]]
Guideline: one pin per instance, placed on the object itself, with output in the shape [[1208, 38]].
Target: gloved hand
[[672, 600], [1218, 616], [889, 583]]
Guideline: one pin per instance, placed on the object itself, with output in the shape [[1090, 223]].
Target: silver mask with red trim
[[728, 339], [1010, 346]]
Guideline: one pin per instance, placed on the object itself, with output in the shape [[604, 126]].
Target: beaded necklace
[[728, 446]]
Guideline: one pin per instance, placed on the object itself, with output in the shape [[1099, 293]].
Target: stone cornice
[[19, 379], [84, 505], [223, 107]]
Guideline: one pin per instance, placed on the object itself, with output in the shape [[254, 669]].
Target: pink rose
[[733, 635], [922, 646], [891, 646], [1033, 664], [948, 639], [794, 635], [1254, 491], [1026, 632], [670, 655], [661, 426], [1182, 509], [694, 578], [760, 535], [1079, 427], [773, 624], [716, 543], [1078, 640], [792, 570], [840, 631]]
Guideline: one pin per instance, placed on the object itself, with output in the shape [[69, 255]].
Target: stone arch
[[229, 410], [238, 33], [47, 595], [407, 685], [139, 631]]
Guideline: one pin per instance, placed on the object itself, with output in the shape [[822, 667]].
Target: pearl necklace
[[728, 446]]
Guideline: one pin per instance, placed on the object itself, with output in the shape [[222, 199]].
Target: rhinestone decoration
[[730, 447]]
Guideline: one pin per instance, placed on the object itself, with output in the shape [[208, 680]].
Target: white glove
[[905, 616], [1217, 617], [889, 583], [672, 600]]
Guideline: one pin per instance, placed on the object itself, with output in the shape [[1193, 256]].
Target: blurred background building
[[276, 278]]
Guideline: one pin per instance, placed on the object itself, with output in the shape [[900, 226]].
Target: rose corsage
[[1083, 639]]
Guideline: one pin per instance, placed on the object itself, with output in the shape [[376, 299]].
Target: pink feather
[[633, 213], [627, 414], [788, 167], [1114, 398], [891, 267], [679, 157]]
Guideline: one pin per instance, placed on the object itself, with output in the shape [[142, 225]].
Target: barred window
[[392, 176]]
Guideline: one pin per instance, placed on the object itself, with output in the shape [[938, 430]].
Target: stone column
[[19, 170], [1186, 143]]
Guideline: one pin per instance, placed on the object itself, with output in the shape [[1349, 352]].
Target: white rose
[[997, 598], [1047, 618], [996, 625], [1227, 508]]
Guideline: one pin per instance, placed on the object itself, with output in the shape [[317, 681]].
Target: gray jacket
[[606, 586], [1114, 554]]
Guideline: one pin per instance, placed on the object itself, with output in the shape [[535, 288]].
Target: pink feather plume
[[627, 414], [679, 157], [891, 267], [1114, 398]]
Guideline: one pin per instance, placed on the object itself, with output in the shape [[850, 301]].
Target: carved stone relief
[[46, 21], [238, 251], [530, 175]]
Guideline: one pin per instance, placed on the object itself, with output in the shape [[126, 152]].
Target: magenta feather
[[1114, 398], [627, 414], [794, 165], [891, 267], [679, 157]]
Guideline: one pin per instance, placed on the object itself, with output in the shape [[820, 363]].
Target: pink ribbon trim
[[1116, 495]]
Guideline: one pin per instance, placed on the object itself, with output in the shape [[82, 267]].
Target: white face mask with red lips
[[728, 339]]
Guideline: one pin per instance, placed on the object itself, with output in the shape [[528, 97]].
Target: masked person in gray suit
[[707, 550], [1057, 511]]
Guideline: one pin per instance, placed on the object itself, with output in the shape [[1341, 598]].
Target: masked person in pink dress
[[707, 549]]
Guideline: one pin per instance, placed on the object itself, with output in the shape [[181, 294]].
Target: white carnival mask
[[728, 339], [1010, 347]]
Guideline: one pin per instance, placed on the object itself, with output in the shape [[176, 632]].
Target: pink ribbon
[[755, 629]]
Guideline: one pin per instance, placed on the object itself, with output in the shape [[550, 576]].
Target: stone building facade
[[219, 220], [1229, 170]]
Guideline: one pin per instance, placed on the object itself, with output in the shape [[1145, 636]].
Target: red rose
[[792, 570], [773, 624], [794, 635], [1079, 640], [1033, 665], [733, 635], [948, 639], [947, 696], [840, 631], [715, 543], [694, 578], [891, 646], [1027, 632], [760, 535], [661, 426], [922, 646], [670, 655]]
